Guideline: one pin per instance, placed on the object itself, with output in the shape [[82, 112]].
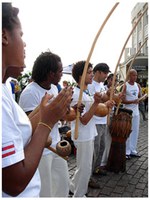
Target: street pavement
[[131, 183]]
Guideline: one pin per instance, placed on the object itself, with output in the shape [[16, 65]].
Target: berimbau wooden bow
[[86, 67], [114, 77]]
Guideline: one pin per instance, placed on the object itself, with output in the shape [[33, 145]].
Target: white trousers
[[54, 176], [131, 143], [84, 157]]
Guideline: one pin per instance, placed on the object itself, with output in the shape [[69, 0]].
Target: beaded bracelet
[[42, 123]]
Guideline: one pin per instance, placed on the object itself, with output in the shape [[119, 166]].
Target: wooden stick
[[143, 97], [47, 145], [114, 77], [129, 70], [86, 67]]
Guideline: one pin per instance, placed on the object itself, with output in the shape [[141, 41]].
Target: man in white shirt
[[101, 71], [132, 93], [46, 74]]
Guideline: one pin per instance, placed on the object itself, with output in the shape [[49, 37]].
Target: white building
[[139, 35]]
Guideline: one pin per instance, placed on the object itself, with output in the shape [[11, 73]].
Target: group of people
[[29, 169]]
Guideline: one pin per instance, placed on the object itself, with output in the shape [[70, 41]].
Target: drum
[[120, 129], [120, 126]]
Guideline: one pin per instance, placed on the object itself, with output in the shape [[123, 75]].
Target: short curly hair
[[9, 16], [43, 64], [78, 68]]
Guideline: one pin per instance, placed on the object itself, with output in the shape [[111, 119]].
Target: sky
[[68, 28]]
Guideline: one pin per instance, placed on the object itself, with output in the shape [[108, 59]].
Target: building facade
[[139, 36]]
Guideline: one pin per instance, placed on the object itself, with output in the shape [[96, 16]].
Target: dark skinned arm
[[16, 177], [88, 115]]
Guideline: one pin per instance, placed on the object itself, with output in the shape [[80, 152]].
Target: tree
[[24, 80]]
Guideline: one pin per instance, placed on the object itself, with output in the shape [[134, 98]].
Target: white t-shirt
[[93, 88], [132, 92], [16, 133], [85, 132], [30, 98]]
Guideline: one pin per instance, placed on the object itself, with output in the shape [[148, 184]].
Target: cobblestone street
[[131, 183]]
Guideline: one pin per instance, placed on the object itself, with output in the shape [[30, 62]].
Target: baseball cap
[[103, 67]]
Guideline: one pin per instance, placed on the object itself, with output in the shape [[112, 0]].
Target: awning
[[67, 69], [139, 61]]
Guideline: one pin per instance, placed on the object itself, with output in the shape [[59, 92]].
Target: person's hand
[[51, 112], [80, 108], [136, 101], [109, 91], [98, 97], [121, 95], [110, 103], [118, 97]]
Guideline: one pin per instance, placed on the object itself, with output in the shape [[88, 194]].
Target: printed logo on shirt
[[8, 149], [134, 92]]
